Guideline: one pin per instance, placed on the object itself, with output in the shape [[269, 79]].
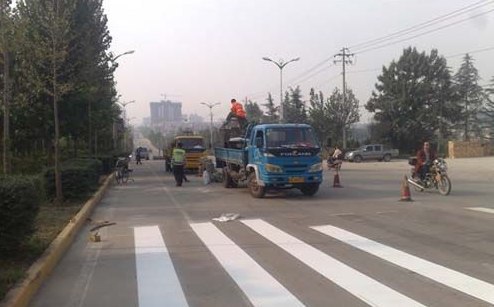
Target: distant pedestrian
[[178, 161], [138, 156]]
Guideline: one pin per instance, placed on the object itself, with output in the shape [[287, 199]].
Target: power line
[[311, 75], [326, 81], [469, 52], [422, 25], [363, 71], [302, 75], [424, 33]]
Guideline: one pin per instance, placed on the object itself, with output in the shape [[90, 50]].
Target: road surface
[[355, 246]]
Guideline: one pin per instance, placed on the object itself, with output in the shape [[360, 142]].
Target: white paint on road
[[259, 286], [157, 281], [454, 279], [481, 209], [363, 287]]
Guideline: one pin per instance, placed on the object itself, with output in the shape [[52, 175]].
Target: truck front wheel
[[255, 189], [309, 189]]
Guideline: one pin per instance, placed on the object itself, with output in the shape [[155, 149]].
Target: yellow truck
[[194, 148]]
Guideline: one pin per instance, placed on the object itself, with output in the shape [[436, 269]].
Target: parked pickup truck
[[371, 152], [272, 156]]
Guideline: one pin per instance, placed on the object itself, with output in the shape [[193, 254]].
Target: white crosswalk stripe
[[481, 209], [259, 286], [157, 281], [454, 279], [363, 287]]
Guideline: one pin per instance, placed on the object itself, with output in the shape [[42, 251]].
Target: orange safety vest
[[238, 110]]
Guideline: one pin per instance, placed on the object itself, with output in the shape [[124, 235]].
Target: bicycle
[[122, 171]]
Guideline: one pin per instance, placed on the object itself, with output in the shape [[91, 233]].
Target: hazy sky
[[210, 50]]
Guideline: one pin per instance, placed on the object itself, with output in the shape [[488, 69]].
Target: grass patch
[[49, 222]]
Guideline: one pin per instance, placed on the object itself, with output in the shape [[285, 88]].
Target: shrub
[[79, 176], [20, 198], [108, 162]]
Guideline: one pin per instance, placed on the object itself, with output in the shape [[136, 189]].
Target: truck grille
[[295, 168]]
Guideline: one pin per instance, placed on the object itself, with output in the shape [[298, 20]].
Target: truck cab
[[194, 149], [274, 156]]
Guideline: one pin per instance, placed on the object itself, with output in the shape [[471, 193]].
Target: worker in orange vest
[[237, 111]]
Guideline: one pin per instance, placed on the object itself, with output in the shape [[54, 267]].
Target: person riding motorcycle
[[425, 157], [335, 160], [237, 111]]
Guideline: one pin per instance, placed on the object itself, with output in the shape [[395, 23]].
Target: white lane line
[[258, 285], [481, 209], [454, 279], [157, 281], [363, 287]]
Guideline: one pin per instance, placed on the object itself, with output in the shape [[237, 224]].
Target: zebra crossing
[[159, 284]]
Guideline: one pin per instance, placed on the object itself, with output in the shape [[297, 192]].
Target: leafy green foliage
[[413, 100], [79, 176], [294, 107], [343, 113], [272, 114], [470, 97], [488, 109], [319, 117], [254, 112], [20, 198]]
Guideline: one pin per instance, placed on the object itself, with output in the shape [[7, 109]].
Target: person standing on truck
[[237, 111], [178, 161]]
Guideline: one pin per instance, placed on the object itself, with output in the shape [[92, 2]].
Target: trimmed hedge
[[20, 199], [79, 176], [108, 162]]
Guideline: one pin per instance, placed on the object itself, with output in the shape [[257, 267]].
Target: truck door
[[256, 145]]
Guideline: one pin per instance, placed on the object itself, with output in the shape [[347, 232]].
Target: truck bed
[[230, 155]]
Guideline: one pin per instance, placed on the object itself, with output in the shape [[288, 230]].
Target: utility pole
[[345, 58], [211, 106]]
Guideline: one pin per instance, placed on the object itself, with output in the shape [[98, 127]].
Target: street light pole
[[211, 106], [122, 54], [126, 120], [281, 64], [114, 123]]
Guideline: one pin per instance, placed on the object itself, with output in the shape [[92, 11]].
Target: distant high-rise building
[[196, 119], [165, 113]]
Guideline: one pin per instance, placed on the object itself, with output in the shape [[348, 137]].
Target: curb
[[21, 294]]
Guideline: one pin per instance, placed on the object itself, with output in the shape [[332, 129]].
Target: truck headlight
[[315, 168], [271, 168]]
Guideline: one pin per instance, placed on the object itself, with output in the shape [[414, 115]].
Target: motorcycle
[[436, 177], [334, 164]]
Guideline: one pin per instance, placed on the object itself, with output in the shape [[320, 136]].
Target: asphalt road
[[369, 249]]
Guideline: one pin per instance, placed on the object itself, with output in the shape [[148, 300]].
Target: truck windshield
[[292, 137], [192, 143]]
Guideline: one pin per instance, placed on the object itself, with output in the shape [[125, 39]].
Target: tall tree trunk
[[6, 114], [6, 88], [58, 175], [467, 117], [89, 128], [76, 144]]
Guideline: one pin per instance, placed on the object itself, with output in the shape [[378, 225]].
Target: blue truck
[[270, 157]]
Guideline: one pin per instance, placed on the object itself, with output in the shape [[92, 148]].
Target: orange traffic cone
[[405, 190], [336, 181]]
